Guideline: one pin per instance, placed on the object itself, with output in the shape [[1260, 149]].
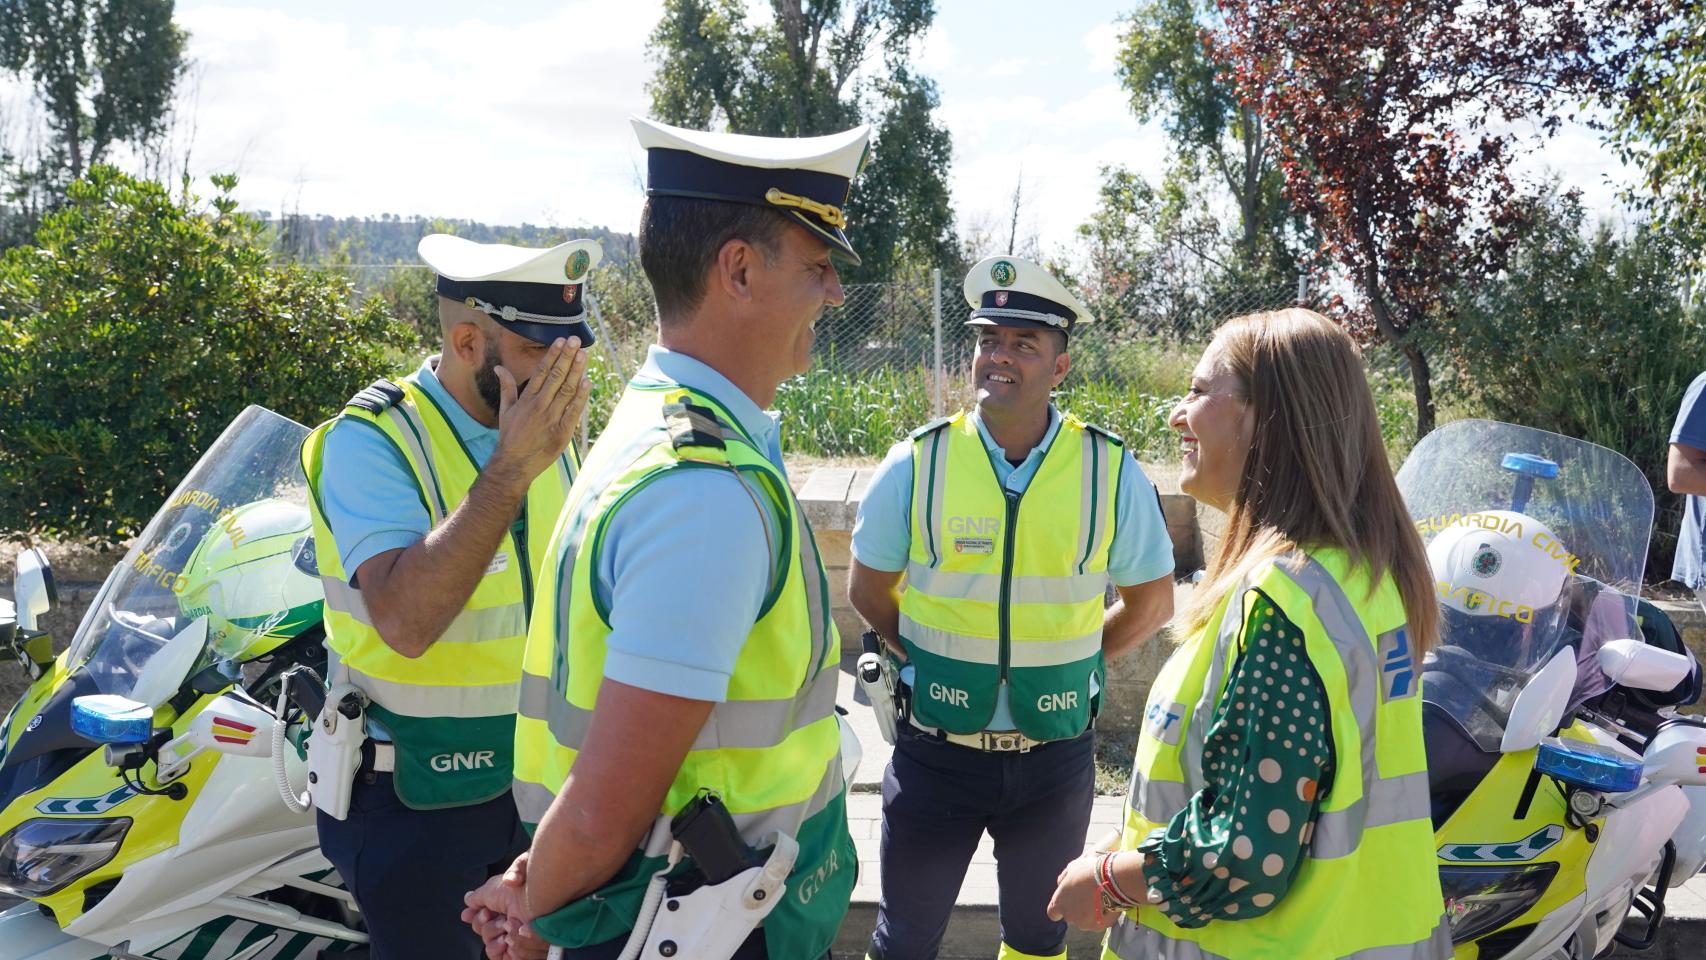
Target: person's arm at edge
[[1685, 470], [1141, 610], [413, 594], [876, 595]]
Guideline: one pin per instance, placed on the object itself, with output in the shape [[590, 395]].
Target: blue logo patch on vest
[[1398, 676], [1161, 721]]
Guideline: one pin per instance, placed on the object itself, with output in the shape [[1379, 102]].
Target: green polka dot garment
[[1232, 852]]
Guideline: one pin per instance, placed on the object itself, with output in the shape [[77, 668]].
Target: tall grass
[[1127, 389]]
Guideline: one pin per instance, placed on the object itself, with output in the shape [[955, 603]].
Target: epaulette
[[377, 398], [1112, 438], [931, 427], [691, 425]]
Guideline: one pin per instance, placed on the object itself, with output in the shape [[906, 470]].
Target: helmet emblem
[[1486, 562]]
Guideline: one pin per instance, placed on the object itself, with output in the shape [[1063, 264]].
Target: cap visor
[[547, 332], [978, 320], [833, 236]]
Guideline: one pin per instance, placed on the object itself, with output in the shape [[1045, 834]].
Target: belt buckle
[[1005, 742]]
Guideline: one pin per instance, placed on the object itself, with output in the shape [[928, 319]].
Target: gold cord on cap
[[828, 214]]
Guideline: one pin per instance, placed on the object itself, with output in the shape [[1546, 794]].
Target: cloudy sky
[[517, 112]]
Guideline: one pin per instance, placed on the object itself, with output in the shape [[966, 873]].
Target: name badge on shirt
[[974, 545], [499, 564]]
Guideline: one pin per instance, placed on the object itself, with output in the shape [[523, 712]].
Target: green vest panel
[[451, 711], [1368, 886], [1003, 586], [771, 749]]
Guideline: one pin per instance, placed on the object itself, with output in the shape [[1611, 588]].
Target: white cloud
[[1103, 44], [503, 122]]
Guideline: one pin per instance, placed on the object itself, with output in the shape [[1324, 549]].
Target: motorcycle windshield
[[1577, 513], [190, 560]]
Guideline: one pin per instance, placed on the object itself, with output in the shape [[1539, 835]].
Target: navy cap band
[[565, 301], [679, 173], [1014, 305]]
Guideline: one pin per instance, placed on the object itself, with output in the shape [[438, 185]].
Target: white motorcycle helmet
[[1501, 576], [252, 576]]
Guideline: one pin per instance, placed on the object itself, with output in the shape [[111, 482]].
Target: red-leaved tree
[[1397, 123]]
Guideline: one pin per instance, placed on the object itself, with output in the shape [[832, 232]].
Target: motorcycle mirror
[[1677, 753], [1540, 707], [165, 671], [33, 588], [1632, 663], [108, 718]]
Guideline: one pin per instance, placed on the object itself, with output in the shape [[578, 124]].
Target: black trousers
[[938, 800], [409, 868]]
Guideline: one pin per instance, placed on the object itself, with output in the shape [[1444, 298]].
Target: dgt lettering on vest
[[1050, 702], [953, 695], [473, 760], [1161, 721]]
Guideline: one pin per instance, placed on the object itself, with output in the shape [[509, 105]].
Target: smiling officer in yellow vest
[[1008, 522], [682, 640], [432, 499]]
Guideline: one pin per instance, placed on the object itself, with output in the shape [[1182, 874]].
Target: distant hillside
[[391, 239]]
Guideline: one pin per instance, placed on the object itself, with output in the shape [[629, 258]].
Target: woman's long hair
[[1317, 473]]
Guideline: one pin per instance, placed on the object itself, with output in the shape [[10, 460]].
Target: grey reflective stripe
[[531, 800], [417, 700], [1130, 941], [987, 650], [986, 587], [738, 724], [757, 828], [938, 480], [1157, 801], [815, 580], [954, 646], [502, 622], [1355, 648], [419, 443], [1054, 653], [345, 599], [1391, 800], [1093, 495]]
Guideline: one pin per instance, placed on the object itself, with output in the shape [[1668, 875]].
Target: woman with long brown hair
[[1279, 798]]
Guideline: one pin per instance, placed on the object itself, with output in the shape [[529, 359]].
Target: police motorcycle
[[143, 775], [1568, 795]]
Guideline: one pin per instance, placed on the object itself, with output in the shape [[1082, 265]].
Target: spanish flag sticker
[[226, 730]]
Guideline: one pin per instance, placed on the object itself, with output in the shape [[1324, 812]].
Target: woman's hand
[[1077, 897]]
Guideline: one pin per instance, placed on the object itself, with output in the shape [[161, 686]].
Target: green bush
[[134, 329], [1586, 335]]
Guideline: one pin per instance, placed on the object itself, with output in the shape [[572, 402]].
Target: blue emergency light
[[105, 718], [1588, 765]]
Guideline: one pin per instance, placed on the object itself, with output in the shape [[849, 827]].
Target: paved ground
[[974, 931]]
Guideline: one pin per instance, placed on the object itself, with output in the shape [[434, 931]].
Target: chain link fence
[[895, 355]]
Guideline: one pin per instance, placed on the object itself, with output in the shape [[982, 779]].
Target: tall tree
[[1397, 123], [104, 70], [806, 71], [1661, 127], [1167, 68]]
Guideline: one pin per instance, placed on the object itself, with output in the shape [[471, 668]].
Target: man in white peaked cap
[[681, 645], [1007, 522], [433, 498]]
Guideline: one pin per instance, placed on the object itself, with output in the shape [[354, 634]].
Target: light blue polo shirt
[[684, 565], [369, 495], [1140, 552]]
